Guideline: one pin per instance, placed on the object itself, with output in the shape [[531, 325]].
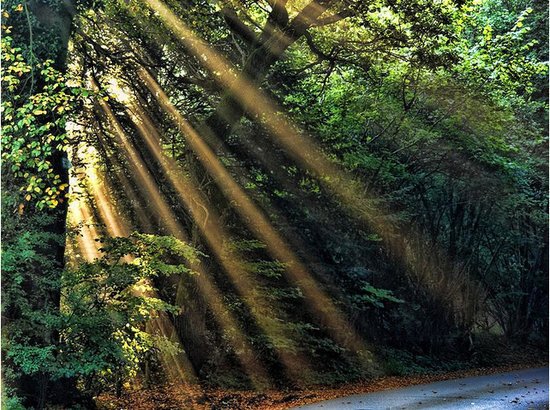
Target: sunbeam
[[302, 148], [87, 245], [225, 319], [207, 220], [321, 304], [176, 364]]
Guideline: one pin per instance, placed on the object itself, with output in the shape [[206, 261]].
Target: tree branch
[[334, 18], [307, 18], [279, 14], [237, 26], [316, 50]]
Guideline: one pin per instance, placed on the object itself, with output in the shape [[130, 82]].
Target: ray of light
[[87, 245], [139, 170], [116, 224], [207, 220], [303, 149], [209, 290], [128, 190], [177, 363], [321, 304], [84, 246]]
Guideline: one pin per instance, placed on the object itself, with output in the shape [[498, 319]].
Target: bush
[[101, 325]]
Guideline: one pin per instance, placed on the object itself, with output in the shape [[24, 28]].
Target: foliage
[[34, 122], [436, 111], [403, 363], [106, 304], [498, 53], [37, 99], [25, 262], [444, 147]]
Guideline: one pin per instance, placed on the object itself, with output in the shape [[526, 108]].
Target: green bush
[[101, 338]]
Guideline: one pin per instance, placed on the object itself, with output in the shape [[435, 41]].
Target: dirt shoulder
[[194, 397]]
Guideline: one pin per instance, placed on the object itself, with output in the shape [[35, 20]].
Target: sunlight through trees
[[265, 195]]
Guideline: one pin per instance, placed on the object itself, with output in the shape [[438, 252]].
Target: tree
[[429, 107], [35, 169]]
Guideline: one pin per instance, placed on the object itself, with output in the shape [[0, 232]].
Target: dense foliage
[[368, 179], [98, 338], [34, 124]]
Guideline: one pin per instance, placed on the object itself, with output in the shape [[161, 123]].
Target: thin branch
[[316, 50]]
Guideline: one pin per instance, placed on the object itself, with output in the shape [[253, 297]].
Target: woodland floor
[[174, 397]]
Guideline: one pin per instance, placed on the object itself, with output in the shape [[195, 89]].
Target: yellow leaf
[[19, 8], [28, 197]]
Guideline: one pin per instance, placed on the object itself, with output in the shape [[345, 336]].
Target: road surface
[[522, 389]]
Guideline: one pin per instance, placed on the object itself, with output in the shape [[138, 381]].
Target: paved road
[[523, 389]]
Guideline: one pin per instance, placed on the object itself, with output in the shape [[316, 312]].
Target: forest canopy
[[269, 193]]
